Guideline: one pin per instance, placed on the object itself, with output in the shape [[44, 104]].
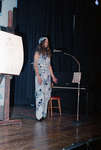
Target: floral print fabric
[[43, 91]]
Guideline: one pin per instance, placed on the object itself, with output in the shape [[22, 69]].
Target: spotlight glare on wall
[[96, 2]]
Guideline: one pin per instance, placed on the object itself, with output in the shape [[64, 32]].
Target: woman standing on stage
[[43, 74]]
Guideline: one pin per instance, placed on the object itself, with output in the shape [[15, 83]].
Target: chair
[[51, 107]]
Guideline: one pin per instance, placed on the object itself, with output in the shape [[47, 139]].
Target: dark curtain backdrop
[[95, 57], [40, 18], [67, 24]]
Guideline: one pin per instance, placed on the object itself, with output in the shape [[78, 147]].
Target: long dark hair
[[41, 49]]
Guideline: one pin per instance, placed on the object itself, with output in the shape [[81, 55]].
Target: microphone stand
[[77, 122]]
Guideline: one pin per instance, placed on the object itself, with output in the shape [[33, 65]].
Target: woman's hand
[[55, 80], [52, 75], [39, 80]]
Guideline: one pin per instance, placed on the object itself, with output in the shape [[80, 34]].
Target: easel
[[11, 62], [12, 46]]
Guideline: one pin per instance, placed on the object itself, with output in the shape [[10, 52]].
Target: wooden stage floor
[[51, 134]]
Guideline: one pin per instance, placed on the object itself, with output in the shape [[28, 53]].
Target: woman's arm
[[52, 74], [36, 57]]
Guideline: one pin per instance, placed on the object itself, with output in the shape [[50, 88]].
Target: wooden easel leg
[[6, 120]]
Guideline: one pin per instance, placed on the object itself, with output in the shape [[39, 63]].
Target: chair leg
[[51, 108], [59, 106], [48, 108]]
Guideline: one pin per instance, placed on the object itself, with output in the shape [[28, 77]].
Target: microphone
[[57, 51], [32, 63]]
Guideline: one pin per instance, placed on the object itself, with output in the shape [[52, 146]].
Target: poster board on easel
[[11, 62]]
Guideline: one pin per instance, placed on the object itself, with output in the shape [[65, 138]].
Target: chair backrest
[[76, 77]]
